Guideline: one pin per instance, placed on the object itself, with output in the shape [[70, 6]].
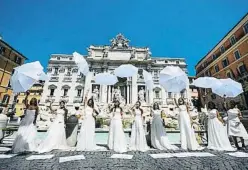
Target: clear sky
[[179, 28]]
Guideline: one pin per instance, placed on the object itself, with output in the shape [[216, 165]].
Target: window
[[246, 28], [169, 95], [222, 49], [233, 40], [214, 57], [229, 75], [213, 96], [79, 91], [17, 101], [65, 92], [157, 94], [18, 60], [2, 50], [207, 73], [177, 62], [5, 99], [216, 67], [58, 58], [52, 92], [155, 74], [237, 55], [9, 85], [165, 61], [225, 62], [69, 71], [242, 69], [56, 70]]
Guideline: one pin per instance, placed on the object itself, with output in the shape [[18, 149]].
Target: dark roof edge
[[223, 38], [5, 43]]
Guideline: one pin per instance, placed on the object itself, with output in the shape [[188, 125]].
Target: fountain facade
[[67, 84]]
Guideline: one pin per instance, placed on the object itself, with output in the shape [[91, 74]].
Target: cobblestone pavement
[[141, 161]]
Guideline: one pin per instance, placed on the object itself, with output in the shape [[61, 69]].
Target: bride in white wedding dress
[[86, 137], [138, 138], [159, 137], [187, 133], [26, 134], [217, 132], [55, 137], [116, 138]]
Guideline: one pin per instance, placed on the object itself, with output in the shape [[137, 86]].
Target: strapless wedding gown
[[138, 138], [86, 137], [159, 137], [56, 138], [217, 134], [187, 133], [117, 139], [26, 134]]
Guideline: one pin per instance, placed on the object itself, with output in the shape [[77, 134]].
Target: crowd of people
[[220, 130]]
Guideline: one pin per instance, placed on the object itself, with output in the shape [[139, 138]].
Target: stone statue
[[96, 94], [117, 94], [105, 53], [141, 95], [119, 42]]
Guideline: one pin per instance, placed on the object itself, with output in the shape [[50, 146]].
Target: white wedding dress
[[138, 138], [86, 137], [116, 138], [187, 134], [235, 127], [159, 138], [217, 134], [26, 134], [56, 138]]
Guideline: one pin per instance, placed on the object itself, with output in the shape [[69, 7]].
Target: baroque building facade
[[67, 84], [228, 59]]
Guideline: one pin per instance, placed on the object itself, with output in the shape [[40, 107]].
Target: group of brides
[[218, 132]]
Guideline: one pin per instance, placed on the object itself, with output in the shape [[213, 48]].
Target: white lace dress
[[56, 138], [159, 138], [138, 138], [187, 134], [116, 138], [235, 127], [217, 134], [26, 134], [86, 137]]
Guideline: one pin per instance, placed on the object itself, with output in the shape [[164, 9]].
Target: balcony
[[158, 100], [67, 79], [77, 99], [54, 79], [80, 79], [65, 98]]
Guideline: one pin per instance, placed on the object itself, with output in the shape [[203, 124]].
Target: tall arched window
[[52, 89], [5, 99], [65, 89]]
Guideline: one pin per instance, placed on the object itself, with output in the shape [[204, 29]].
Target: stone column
[[128, 97], [109, 94], [104, 93], [134, 89], [163, 95]]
